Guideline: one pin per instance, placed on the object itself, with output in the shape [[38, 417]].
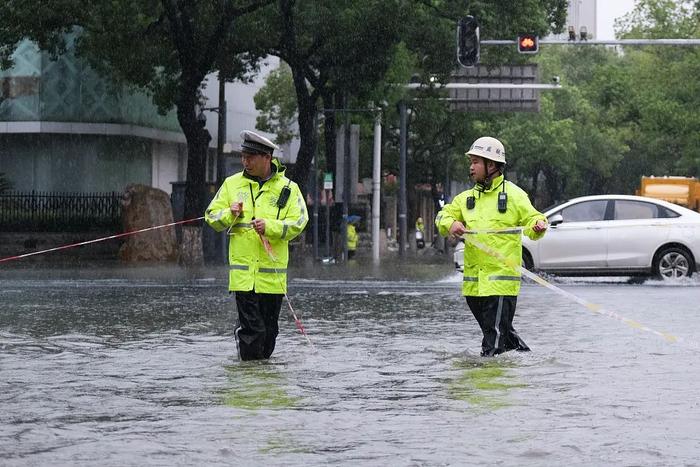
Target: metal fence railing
[[59, 212]]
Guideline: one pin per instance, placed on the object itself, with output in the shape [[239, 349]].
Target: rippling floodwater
[[139, 367]]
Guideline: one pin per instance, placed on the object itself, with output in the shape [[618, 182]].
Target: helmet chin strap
[[486, 184]]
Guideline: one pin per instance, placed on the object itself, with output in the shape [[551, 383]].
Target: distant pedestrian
[[263, 210], [492, 206], [420, 233], [352, 235]]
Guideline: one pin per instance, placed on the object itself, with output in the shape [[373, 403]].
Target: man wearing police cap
[[262, 210]]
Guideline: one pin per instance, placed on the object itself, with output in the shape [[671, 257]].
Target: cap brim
[[255, 148]]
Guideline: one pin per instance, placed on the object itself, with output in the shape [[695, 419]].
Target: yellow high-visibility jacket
[[484, 274], [352, 237], [251, 267]]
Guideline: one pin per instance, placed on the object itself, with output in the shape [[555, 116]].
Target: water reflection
[[256, 386], [485, 384]]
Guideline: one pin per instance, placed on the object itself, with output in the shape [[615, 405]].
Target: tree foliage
[[664, 96], [333, 48], [358, 53], [276, 102], [617, 117]]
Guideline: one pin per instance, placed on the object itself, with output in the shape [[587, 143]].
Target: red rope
[[72, 245], [297, 321]]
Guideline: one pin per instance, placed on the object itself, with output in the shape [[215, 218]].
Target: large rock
[[145, 207]]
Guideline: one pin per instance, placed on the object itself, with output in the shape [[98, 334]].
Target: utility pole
[[346, 182], [222, 240], [221, 133], [682, 42], [328, 221], [314, 185], [376, 184], [403, 224]]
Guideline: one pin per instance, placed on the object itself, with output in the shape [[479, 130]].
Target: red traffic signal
[[528, 44]]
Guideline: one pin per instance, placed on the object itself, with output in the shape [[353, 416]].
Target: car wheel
[[672, 263], [527, 260]]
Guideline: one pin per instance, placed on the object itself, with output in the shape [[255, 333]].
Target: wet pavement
[[137, 366]]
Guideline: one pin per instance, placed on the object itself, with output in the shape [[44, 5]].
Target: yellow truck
[[684, 191]]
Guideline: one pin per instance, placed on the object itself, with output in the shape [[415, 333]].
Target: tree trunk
[[329, 132], [534, 185], [197, 146], [552, 187], [191, 252], [307, 129]]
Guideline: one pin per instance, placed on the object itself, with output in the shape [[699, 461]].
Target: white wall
[[241, 112], [166, 165]]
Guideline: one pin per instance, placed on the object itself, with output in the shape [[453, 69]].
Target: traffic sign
[[328, 181]]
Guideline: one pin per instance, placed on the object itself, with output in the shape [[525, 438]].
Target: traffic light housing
[[468, 41], [528, 44]]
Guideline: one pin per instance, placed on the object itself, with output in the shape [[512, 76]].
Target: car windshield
[[555, 205], [585, 211]]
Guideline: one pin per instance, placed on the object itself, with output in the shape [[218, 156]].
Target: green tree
[[164, 47], [340, 51], [277, 105], [659, 19], [665, 95], [332, 47], [594, 95], [438, 137]]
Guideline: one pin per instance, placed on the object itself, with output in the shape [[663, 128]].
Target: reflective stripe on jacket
[[485, 275], [251, 267]]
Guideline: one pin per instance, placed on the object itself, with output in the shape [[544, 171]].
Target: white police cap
[[253, 142]]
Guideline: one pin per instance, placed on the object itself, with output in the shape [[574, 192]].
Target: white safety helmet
[[488, 148]]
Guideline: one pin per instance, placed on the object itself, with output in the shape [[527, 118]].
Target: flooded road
[[139, 367]]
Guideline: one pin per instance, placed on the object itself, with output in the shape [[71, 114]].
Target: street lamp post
[[403, 224], [376, 185], [347, 180]]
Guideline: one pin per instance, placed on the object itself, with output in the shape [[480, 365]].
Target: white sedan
[[614, 235]]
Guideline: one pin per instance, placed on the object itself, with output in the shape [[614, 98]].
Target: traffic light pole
[[484, 86], [682, 42]]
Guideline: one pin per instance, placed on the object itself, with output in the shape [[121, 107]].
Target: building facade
[[64, 128]]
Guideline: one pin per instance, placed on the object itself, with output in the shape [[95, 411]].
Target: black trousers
[[495, 317], [257, 316]]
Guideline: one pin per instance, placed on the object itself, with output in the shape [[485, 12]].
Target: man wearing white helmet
[[491, 213], [262, 210]]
